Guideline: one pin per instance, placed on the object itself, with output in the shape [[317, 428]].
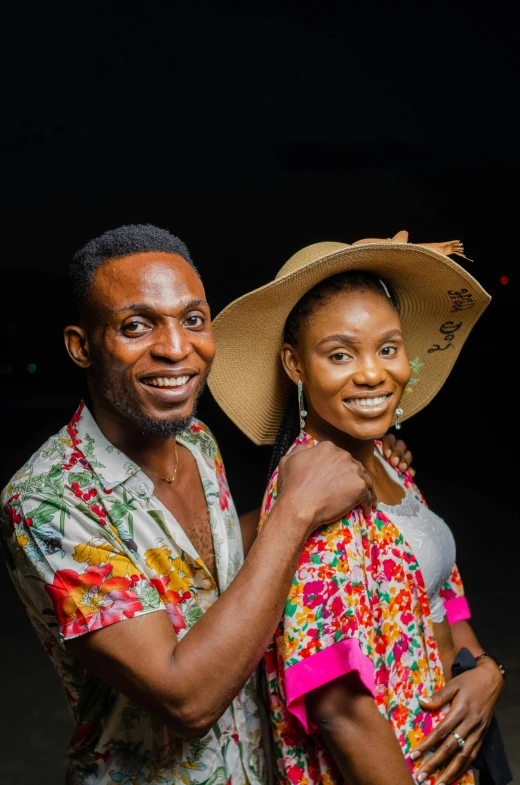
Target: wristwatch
[[497, 663]]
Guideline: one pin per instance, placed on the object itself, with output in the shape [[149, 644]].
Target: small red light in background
[[504, 280]]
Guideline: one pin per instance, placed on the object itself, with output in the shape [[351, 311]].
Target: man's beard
[[119, 398]]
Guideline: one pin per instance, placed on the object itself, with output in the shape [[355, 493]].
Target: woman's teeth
[[167, 381], [368, 403]]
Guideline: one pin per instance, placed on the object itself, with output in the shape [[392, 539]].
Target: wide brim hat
[[439, 303]]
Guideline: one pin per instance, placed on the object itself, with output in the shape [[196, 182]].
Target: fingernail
[[388, 453], [422, 777], [414, 755], [425, 700], [394, 461], [403, 466]]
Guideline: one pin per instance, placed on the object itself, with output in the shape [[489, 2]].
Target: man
[[126, 513]]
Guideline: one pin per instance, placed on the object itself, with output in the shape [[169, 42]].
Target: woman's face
[[352, 363]]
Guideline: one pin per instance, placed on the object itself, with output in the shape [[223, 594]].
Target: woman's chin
[[367, 429]]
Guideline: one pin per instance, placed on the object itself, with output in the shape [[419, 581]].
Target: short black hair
[[123, 241]]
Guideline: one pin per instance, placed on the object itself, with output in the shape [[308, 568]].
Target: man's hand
[[397, 453], [321, 483]]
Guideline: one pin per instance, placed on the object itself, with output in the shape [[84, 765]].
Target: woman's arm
[[360, 740], [464, 637]]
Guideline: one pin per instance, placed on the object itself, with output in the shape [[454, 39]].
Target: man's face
[[150, 339]]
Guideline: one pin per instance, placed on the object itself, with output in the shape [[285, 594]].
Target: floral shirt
[[357, 602], [89, 545]]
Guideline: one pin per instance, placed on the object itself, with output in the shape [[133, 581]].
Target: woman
[[377, 611]]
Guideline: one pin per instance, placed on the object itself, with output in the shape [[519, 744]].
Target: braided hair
[[349, 281]]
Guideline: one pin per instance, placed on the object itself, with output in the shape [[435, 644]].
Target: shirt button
[[141, 489]]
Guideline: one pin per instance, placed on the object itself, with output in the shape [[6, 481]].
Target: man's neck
[[147, 450]]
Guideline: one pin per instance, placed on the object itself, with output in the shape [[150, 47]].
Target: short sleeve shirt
[[89, 545]]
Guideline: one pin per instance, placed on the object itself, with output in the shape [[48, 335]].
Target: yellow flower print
[[181, 575], [97, 552], [93, 552], [158, 559]]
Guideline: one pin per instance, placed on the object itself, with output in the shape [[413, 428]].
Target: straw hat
[[439, 303]]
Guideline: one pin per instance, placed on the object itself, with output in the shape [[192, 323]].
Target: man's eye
[[194, 321], [135, 328]]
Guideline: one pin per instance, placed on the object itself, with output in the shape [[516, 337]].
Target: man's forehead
[[154, 276]]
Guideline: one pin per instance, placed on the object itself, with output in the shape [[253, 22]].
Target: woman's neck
[[360, 449]]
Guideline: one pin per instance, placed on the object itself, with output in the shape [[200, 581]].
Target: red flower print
[[171, 599], [91, 600], [400, 715], [312, 594], [403, 600], [337, 606], [295, 774], [223, 489]]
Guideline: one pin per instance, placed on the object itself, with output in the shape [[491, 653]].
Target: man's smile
[[174, 387]]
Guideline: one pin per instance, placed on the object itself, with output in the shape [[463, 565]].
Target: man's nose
[[172, 343]]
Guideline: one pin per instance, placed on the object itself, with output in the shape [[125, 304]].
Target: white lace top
[[430, 539]]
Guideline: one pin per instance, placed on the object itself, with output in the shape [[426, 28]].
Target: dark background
[[251, 132]]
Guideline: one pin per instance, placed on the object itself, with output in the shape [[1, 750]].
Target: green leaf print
[[149, 598], [54, 477], [217, 778], [192, 614], [45, 512], [82, 478], [120, 508], [290, 608], [159, 520], [88, 512]]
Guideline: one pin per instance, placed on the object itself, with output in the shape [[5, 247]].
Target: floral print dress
[[357, 603]]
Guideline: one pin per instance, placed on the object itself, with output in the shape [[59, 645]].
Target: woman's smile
[[369, 404]]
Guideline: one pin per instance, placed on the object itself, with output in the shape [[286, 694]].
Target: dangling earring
[[398, 412], [301, 406]]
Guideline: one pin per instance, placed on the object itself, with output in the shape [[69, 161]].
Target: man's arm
[[396, 452], [248, 528], [189, 683], [358, 737]]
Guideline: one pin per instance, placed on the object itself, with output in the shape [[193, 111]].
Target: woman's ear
[[76, 344], [291, 363]]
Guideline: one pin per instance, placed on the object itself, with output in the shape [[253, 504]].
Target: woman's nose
[[369, 372]]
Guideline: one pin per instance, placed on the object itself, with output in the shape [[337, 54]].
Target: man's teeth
[[168, 381], [368, 402]]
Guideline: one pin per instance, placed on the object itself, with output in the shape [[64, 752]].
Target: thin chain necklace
[[167, 479]]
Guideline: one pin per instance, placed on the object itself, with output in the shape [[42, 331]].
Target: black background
[[252, 131]]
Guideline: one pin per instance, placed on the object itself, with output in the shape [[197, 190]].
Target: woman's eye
[[339, 356], [388, 351], [195, 321]]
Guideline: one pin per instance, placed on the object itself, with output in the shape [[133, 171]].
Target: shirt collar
[[111, 466]]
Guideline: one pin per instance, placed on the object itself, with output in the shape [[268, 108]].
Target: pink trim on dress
[[457, 609], [322, 667]]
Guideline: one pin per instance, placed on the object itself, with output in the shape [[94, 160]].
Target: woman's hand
[[473, 696], [397, 453]]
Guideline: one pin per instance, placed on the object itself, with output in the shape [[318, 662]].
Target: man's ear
[[76, 344], [291, 363]]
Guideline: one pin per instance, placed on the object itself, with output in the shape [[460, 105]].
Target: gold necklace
[[166, 479]]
